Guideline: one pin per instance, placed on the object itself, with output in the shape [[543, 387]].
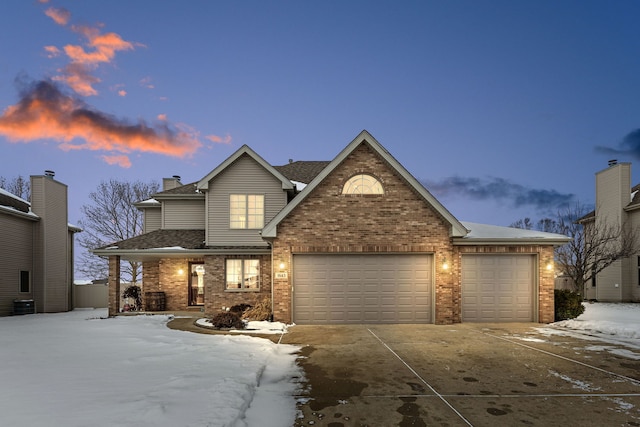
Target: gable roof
[[203, 184], [457, 229], [302, 170]]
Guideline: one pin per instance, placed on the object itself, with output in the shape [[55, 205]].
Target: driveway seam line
[[441, 397], [624, 377]]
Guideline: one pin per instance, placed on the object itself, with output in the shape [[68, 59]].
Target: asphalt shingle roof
[[302, 170], [187, 239], [14, 202]]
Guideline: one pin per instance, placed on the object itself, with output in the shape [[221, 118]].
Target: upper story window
[[246, 211], [362, 184]]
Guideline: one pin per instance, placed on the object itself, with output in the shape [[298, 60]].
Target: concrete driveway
[[462, 375]]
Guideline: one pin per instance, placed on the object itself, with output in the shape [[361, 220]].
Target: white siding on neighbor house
[[634, 268], [152, 219], [16, 248], [609, 283], [52, 284], [613, 193], [244, 176], [183, 214]]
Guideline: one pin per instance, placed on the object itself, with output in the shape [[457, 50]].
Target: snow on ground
[[81, 368], [608, 325]]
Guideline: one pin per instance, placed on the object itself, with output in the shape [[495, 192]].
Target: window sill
[[242, 290]]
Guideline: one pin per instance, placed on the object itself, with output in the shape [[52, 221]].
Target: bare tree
[[595, 244], [524, 223], [111, 217], [548, 225], [18, 186]]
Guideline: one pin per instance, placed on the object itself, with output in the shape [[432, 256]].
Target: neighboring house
[[616, 204], [36, 249], [354, 240]]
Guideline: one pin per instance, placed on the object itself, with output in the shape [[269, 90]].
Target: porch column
[[114, 285]]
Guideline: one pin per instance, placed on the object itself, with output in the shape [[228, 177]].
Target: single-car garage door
[[349, 288], [498, 288]]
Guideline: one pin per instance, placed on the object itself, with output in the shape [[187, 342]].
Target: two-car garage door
[[359, 288]]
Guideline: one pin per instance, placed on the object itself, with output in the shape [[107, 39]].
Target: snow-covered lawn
[[82, 369], [617, 324]]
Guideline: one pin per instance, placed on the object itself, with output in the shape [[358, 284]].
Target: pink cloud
[[60, 16], [52, 51], [219, 140], [44, 112], [120, 160]]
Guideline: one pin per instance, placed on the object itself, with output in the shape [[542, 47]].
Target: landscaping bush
[[568, 304], [240, 308], [227, 319], [261, 311]]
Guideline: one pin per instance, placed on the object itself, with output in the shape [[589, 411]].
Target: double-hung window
[[246, 211], [243, 274]]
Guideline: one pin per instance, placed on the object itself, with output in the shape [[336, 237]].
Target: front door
[[196, 284]]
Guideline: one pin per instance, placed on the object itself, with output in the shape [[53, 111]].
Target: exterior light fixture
[[180, 271], [445, 265], [282, 265], [549, 265]]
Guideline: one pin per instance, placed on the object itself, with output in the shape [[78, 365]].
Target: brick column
[[114, 285]]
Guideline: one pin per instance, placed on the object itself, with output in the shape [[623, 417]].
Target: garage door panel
[[363, 288], [497, 288]]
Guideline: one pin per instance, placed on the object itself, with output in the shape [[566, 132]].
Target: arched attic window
[[362, 184]]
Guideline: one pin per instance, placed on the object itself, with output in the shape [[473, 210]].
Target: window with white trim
[[243, 274], [362, 184], [246, 211]]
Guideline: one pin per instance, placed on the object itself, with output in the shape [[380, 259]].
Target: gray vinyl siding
[[634, 269], [52, 278], [16, 248], [606, 289], [612, 195], [244, 176], [183, 214], [152, 219]]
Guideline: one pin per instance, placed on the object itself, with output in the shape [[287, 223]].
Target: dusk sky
[[504, 109]]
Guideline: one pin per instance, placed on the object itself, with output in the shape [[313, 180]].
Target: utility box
[[23, 306]]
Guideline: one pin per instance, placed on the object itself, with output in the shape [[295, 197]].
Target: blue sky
[[503, 109]]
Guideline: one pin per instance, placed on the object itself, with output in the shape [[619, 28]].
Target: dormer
[[242, 195]]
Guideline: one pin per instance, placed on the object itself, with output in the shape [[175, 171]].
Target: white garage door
[[349, 288], [498, 288]]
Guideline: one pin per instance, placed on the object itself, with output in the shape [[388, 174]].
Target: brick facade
[[326, 221], [399, 221], [218, 298], [114, 285]]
